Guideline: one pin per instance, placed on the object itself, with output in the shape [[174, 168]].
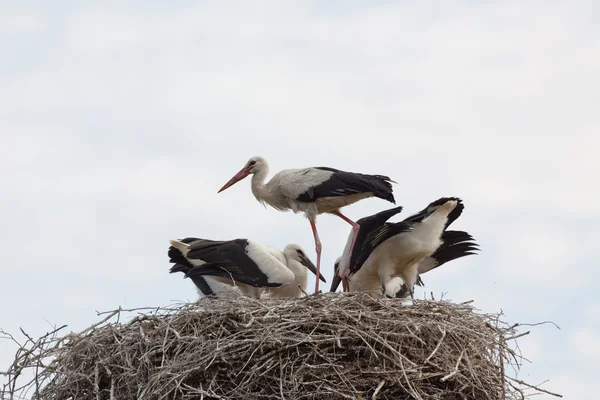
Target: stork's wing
[[240, 260], [456, 244], [373, 231], [427, 211], [198, 280], [310, 184]]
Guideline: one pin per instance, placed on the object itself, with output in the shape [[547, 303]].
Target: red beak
[[244, 172]]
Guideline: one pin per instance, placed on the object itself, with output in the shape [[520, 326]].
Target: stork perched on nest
[[393, 255], [241, 266], [313, 191]]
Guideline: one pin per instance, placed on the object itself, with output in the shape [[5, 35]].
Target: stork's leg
[[318, 249], [355, 228]]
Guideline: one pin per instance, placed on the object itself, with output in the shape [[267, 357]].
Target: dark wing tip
[[180, 268]]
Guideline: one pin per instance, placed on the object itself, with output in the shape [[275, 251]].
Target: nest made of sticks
[[326, 346]]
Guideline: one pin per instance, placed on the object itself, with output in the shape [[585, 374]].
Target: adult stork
[[455, 244], [393, 254], [314, 191], [248, 266]]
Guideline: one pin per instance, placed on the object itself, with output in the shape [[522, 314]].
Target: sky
[[120, 121]]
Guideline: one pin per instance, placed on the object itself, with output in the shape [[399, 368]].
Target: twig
[[438, 345], [451, 374], [378, 389], [520, 382]]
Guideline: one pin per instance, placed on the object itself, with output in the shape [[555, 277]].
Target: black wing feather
[[427, 211], [342, 183], [373, 231], [228, 259], [199, 281], [456, 244]]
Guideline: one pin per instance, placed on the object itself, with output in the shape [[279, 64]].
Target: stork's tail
[[177, 255], [382, 187], [183, 247]]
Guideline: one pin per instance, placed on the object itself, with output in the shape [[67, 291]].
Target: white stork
[[313, 191], [298, 262], [392, 255], [456, 244], [238, 266]]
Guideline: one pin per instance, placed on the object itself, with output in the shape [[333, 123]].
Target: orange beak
[[244, 172]]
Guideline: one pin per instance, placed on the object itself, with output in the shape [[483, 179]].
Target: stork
[[393, 254], [239, 265], [298, 262], [313, 191], [455, 244]]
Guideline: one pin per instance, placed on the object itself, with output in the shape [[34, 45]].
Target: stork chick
[[299, 263], [247, 265]]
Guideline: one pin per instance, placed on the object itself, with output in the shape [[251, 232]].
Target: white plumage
[[298, 262]]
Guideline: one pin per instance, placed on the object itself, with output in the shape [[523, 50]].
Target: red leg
[[355, 228], [318, 249]]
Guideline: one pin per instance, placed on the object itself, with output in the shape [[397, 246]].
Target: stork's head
[[253, 166], [295, 252]]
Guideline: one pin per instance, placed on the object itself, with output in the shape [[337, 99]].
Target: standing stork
[[238, 265], [394, 254], [313, 191]]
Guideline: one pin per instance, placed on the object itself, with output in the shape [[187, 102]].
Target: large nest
[[329, 346]]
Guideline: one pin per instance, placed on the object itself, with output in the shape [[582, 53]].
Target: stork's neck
[[259, 189], [300, 272]]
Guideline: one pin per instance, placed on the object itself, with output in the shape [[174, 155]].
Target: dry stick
[[378, 389], [502, 345], [438, 345], [92, 327], [112, 388], [517, 336], [520, 382], [451, 374], [97, 382]]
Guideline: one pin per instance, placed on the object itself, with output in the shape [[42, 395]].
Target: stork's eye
[[252, 163], [300, 253]]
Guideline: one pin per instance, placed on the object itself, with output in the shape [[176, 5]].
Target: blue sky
[[119, 122]]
